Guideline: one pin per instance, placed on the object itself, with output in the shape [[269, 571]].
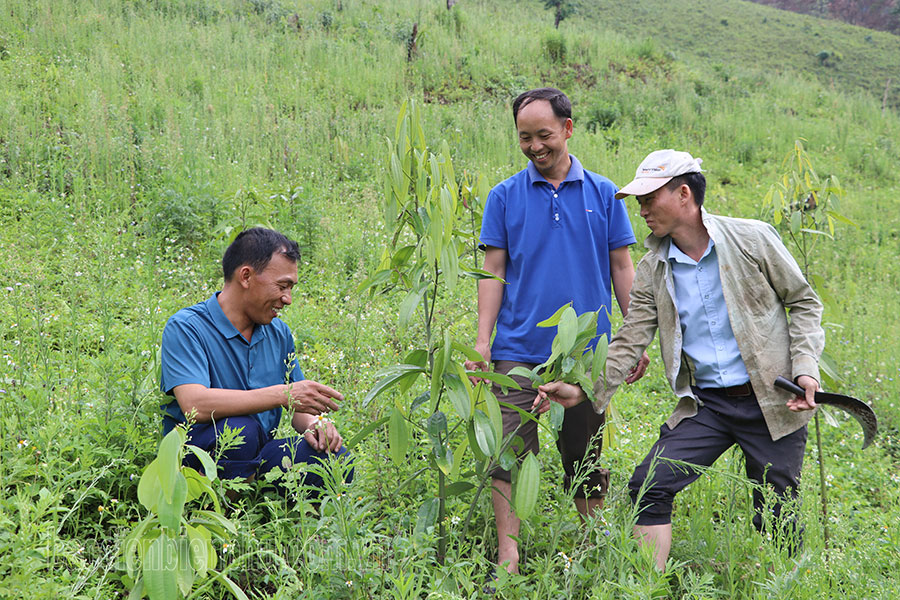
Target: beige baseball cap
[[658, 169]]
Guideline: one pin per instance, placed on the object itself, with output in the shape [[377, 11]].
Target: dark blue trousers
[[720, 422], [259, 453]]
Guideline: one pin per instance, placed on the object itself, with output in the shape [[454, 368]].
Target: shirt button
[[556, 216], [699, 268], [712, 322], [556, 195], [721, 347], [706, 296]]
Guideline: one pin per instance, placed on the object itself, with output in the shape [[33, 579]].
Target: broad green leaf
[[611, 429], [398, 437], [527, 486], [169, 458], [375, 280], [458, 455], [206, 517], [436, 427], [527, 373], [232, 587], [160, 565], [796, 222], [401, 256], [503, 381], [484, 433], [408, 307], [598, 361], [473, 442], [568, 330], [184, 572], [132, 542], [149, 489], [480, 274], [839, 217], [137, 591], [437, 373], [443, 457], [493, 412], [829, 367], [209, 465], [469, 353], [417, 357], [826, 414], [390, 376], [457, 488], [200, 543], [459, 395], [419, 400], [508, 459], [365, 432], [427, 515], [553, 320], [170, 511], [568, 363], [557, 414], [198, 485]]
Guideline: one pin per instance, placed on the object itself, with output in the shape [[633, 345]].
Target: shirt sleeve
[[620, 232], [493, 221], [183, 359]]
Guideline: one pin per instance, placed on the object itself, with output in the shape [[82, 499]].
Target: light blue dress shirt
[[706, 330]]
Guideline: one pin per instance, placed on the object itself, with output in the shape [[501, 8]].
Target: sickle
[[858, 409]]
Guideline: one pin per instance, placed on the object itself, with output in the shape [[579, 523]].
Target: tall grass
[[136, 136]]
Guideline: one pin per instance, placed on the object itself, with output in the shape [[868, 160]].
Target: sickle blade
[[857, 409]]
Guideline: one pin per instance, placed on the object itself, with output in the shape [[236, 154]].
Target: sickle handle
[[789, 386]]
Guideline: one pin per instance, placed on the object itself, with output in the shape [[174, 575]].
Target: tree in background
[[561, 9]]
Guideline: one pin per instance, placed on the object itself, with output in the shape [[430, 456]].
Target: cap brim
[[642, 186]]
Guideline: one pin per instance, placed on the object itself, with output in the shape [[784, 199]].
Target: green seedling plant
[[805, 208], [572, 360], [170, 551], [432, 218]]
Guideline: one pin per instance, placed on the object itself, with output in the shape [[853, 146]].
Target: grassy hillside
[[137, 136], [735, 34]]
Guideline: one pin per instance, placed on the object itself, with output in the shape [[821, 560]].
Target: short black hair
[[255, 247], [696, 181], [562, 108]]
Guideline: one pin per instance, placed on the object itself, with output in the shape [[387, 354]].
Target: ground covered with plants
[[137, 137]]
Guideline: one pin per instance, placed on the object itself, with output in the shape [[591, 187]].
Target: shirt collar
[[226, 327], [576, 172], [677, 255]]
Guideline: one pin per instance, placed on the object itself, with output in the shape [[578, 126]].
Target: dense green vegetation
[[136, 136]]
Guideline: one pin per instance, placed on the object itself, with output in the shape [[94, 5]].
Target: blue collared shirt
[[558, 243], [705, 327], [200, 345]]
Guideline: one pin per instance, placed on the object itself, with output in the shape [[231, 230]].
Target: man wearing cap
[[557, 235], [717, 289]]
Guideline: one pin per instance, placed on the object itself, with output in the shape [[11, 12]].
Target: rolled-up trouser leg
[[579, 441]]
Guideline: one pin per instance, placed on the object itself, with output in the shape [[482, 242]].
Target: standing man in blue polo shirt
[[555, 234], [230, 361]]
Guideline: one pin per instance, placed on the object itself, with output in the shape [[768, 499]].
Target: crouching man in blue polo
[[229, 361]]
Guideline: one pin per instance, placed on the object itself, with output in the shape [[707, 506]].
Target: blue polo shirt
[[200, 345], [558, 243]]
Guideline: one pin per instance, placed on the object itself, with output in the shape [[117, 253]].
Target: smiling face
[[543, 139], [270, 290]]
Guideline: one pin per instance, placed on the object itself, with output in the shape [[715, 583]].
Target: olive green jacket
[[760, 279]]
